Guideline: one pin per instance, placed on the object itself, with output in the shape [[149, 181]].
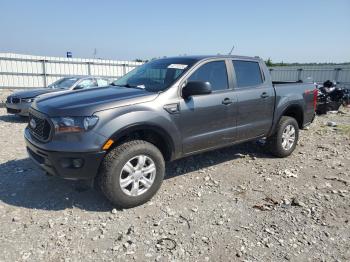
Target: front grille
[[39, 126], [15, 100]]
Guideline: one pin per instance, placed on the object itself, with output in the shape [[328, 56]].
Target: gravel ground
[[234, 204], [4, 93]]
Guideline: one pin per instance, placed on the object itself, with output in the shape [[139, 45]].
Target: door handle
[[264, 95], [227, 101]]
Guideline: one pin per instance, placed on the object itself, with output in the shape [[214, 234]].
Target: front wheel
[[285, 139], [132, 173]]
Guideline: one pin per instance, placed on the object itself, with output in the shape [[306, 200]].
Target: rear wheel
[[132, 173], [285, 139]]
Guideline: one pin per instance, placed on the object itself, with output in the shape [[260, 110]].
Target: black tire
[[111, 168], [274, 142]]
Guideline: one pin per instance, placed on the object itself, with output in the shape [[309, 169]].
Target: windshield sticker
[[177, 66]]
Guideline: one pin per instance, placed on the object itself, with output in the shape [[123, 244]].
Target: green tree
[[269, 62]]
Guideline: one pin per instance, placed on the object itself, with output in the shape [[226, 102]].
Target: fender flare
[[285, 109], [146, 126]]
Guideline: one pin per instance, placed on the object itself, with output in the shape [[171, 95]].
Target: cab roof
[[202, 57]]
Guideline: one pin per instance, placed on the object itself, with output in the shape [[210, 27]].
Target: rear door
[[205, 121], [255, 99]]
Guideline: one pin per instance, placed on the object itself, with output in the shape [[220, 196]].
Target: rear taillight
[[315, 97]]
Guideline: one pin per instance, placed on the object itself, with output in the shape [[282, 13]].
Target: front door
[[205, 120]]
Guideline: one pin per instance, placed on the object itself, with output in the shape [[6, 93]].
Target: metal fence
[[24, 71], [319, 74]]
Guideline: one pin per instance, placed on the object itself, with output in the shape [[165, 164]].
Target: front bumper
[[18, 109], [63, 164]]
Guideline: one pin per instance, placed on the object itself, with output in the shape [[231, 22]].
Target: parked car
[[19, 102], [164, 110]]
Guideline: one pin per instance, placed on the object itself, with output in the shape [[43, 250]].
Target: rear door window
[[247, 73], [88, 83], [213, 72], [101, 82]]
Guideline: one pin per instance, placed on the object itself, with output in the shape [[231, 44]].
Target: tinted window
[[247, 73], [88, 83], [213, 72], [102, 82], [64, 83]]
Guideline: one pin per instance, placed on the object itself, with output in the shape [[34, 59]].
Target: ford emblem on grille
[[32, 123]]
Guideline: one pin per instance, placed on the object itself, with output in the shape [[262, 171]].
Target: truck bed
[[300, 93]]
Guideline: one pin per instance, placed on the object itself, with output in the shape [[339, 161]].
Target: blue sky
[[290, 31]]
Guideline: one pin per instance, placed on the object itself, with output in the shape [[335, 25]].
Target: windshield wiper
[[130, 86]]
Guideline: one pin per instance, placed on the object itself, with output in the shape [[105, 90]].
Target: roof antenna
[[233, 47]]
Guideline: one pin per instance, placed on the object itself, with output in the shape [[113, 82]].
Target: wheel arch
[[151, 133], [292, 110], [296, 111]]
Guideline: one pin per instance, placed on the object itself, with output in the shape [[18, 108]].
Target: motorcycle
[[330, 97]]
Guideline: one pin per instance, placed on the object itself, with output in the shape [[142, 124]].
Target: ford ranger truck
[[121, 136]]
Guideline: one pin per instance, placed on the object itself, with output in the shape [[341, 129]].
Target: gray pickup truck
[[121, 136]]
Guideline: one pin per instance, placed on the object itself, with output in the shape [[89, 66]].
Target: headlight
[[27, 100], [74, 124]]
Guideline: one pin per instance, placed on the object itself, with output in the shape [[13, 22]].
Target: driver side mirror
[[78, 87], [196, 88]]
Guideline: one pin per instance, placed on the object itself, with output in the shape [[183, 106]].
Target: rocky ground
[[234, 204], [4, 93]]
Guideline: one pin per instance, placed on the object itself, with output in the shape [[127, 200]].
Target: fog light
[[77, 162]]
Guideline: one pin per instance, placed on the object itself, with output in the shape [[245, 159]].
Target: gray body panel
[[34, 92], [300, 95], [200, 123], [87, 102]]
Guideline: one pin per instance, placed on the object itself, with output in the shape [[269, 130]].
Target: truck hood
[[34, 92], [86, 102]]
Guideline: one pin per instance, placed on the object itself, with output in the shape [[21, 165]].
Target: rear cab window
[[248, 73], [213, 72]]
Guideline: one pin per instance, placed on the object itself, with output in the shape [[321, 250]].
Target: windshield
[[156, 75], [64, 83]]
